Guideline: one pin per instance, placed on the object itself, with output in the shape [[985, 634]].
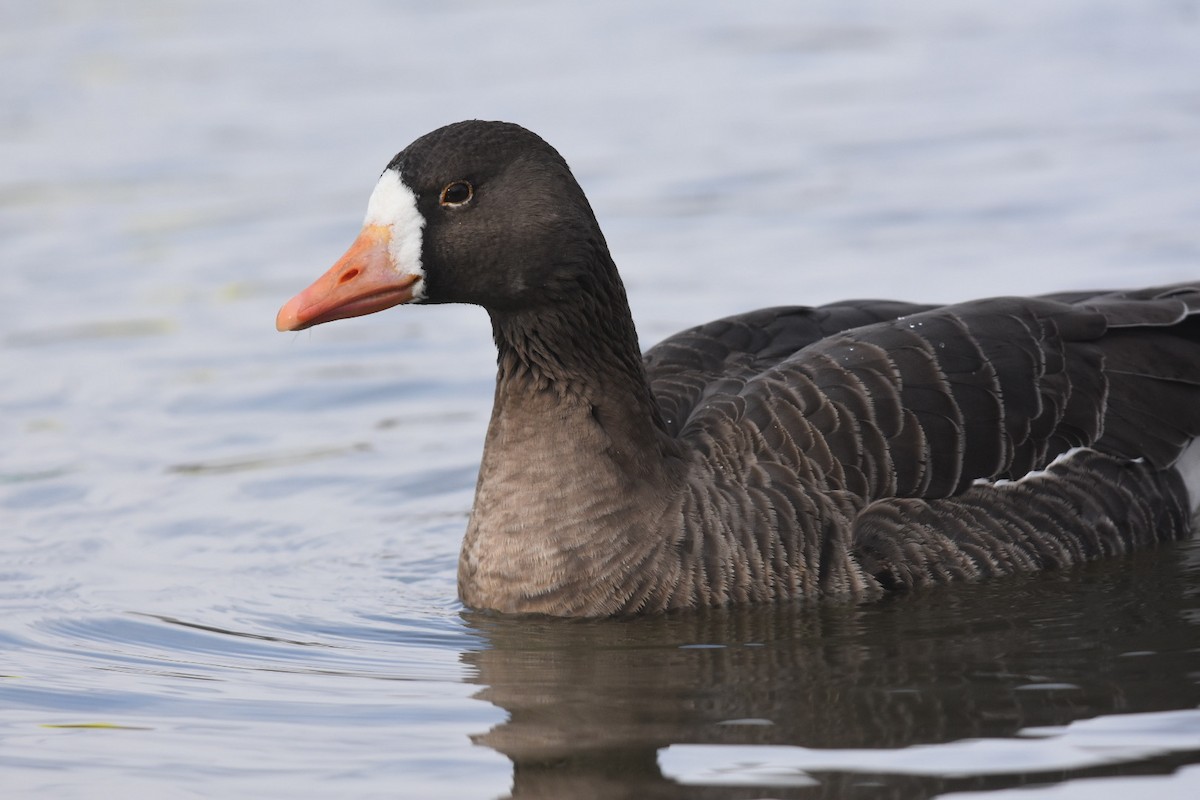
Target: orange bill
[[363, 281]]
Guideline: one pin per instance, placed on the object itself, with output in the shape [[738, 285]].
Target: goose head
[[476, 212]]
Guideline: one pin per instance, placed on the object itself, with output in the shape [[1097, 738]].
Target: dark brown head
[[475, 212]]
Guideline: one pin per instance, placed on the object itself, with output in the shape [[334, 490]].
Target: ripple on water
[[1079, 745], [411, 650]]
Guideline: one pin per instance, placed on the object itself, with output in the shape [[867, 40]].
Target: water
[[227, 561]]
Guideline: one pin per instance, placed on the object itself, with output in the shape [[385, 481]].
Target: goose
[[783, 455]]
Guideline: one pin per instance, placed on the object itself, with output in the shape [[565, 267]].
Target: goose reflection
[[591, 703]]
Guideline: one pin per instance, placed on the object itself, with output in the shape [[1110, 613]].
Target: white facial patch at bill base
[[394, 206]]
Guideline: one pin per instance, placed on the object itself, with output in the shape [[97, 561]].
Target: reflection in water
[[590, 704]]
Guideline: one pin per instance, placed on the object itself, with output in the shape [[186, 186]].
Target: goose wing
[[721, 355], [923, 405]]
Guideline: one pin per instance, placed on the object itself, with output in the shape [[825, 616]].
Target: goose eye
[[457, 193]]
